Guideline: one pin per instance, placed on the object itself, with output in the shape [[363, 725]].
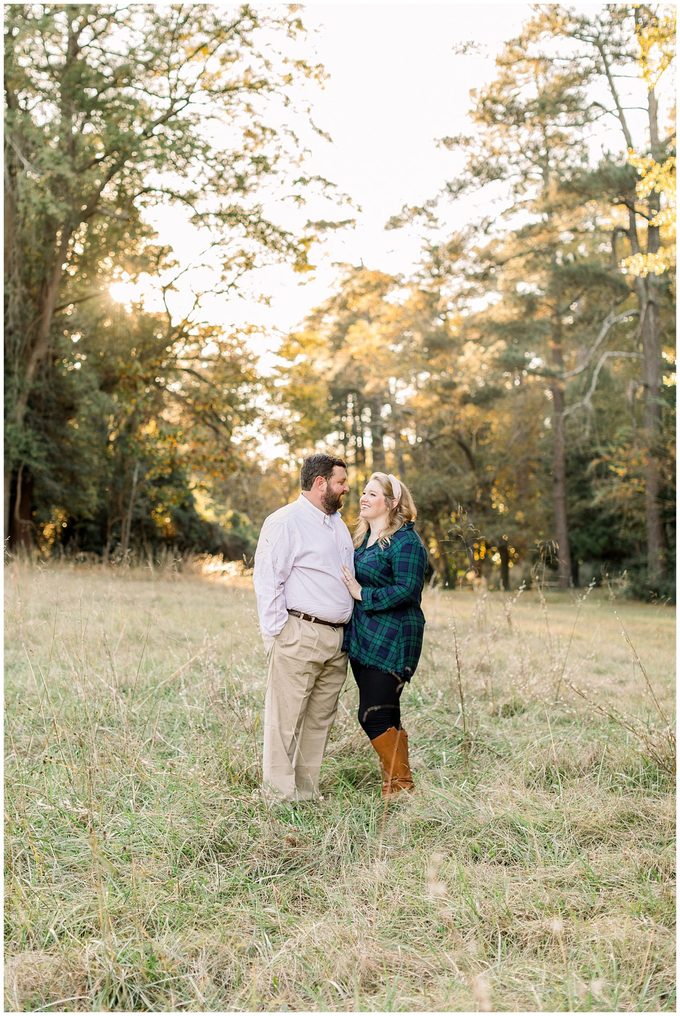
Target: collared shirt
[[298, 566]]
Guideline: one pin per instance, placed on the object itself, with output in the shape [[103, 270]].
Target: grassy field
[[533, 869]]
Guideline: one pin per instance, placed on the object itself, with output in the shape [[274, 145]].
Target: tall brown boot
[[392, 749]]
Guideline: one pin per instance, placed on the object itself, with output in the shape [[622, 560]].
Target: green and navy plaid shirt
[[386, 627]]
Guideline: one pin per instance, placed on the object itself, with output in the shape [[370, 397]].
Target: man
[[303, 604]]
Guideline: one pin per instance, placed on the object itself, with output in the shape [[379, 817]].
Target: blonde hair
[[399, 514]]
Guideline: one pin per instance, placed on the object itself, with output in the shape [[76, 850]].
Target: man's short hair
[[318, 465]]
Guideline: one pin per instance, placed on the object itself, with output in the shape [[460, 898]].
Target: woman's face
[[372, 502]]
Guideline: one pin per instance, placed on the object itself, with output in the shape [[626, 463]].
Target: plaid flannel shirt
[[386, 627]]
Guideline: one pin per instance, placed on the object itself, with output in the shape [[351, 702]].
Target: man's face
[[336, 487]]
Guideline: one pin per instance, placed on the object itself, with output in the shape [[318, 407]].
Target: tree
[[345, 370], [121, 443], [530, 135], [112, 109], [552, 294], [620, 40]]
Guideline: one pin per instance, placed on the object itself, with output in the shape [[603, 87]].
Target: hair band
[[396, 487]]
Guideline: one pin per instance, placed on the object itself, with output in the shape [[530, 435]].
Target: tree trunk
[[646, 290], [559, 450], [575, 573], [399, 453], [395, 433], [14, 306], [127, 524], [346, 434], [358, 426], [36, 350], [443, 564], [21, 520], [652, 365], [504, 553], [560, 488], [7, 506], [650, 335], [378, 460]]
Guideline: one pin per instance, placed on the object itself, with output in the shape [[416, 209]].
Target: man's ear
[[318, 480]]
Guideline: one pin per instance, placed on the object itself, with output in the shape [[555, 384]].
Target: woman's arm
[[409, 560]]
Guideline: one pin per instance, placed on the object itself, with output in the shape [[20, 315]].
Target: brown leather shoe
[[392, 749]]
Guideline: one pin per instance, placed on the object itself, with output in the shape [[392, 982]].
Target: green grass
[[532, 870]]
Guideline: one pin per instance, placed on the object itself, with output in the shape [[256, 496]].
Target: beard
[[331, 502]]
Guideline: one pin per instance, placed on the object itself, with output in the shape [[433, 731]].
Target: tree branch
[[608, 323], [587, 399]]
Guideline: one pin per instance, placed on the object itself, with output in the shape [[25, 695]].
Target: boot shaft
[[392, 750]]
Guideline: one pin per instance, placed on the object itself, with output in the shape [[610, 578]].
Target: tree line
[[521, 381]]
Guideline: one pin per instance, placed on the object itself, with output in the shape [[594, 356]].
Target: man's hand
[[351, 583]]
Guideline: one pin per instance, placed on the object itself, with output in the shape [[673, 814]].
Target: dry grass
[[533, 870]]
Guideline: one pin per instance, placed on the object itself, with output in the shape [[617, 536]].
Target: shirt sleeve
[[273, 564], [409, 560]]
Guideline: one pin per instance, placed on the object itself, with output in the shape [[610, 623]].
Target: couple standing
[[323, 596]]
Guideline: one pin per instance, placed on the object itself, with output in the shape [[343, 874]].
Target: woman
[[385, 634]]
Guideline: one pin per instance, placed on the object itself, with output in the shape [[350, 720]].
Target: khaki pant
[[307, 670]]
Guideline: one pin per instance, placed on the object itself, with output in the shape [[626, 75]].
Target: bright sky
[[395, 85]]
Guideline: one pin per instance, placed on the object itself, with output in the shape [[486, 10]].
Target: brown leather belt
[[316, 620]]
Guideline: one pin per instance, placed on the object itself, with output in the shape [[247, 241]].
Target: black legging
[[378, 699]]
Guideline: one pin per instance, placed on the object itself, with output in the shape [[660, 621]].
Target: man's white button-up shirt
[[298, 566]]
